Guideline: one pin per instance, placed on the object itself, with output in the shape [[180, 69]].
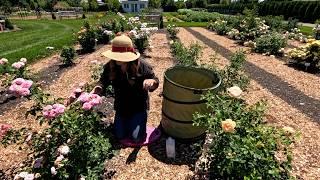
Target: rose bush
[[308, 55], [242, 146]]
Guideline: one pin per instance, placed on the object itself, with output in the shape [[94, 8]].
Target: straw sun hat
[[122, 50]]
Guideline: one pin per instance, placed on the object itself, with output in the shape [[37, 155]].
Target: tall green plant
[[186, 56], [233, 75]]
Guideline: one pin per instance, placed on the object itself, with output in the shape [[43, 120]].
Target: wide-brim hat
[[122, 50]]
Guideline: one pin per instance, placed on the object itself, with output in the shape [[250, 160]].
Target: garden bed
[[279, 113]]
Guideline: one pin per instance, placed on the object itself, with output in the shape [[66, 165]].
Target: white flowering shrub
[[104, 36], [173, 31], [316, 32], [140, 37], [270, 43], [220, 27]]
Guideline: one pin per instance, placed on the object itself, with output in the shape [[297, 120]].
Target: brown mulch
[[294, 43], [306, 164]]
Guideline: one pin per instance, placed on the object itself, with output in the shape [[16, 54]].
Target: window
[[126, 6], [141, 6]]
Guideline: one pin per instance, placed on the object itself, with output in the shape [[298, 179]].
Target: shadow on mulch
[[300, 67], [187, 151]]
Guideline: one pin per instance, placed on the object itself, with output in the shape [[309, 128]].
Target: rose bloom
[[288, 130], [234, 91], [3, 61], [64, 150], [18, 65], [228, 125], [24, 60]]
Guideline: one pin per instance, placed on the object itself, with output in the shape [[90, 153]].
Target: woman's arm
[[151, 81]]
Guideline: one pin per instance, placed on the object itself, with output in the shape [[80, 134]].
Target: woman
[[132, 79]]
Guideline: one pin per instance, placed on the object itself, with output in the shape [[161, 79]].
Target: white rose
[[21, 175], [234, 91], [29, 177], [64, 150], [288, 130], [24, 60], [53, 171]]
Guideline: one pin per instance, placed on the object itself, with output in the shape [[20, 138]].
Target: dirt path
[[280, 112]]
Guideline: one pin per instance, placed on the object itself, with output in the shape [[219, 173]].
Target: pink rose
[[18, 65], [18, 81], [47, 108], [59, 108], [86, 106], [96, 101], [27, 84], [13, 88], [4, 128], [24, 92], [84, 97]]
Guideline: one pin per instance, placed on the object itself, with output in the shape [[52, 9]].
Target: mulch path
[[281, 97]]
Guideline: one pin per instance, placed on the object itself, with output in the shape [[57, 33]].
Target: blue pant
[[124, 127]]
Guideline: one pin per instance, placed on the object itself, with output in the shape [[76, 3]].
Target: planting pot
[[182, 91]]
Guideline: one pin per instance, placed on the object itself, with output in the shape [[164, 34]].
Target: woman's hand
[[149, 84]]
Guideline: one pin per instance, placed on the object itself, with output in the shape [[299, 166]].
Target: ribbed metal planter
[[182, 91]]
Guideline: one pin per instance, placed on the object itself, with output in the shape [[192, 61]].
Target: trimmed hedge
[[232, 8], [306, 11]]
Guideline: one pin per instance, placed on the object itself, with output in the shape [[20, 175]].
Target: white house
[[133, 5]]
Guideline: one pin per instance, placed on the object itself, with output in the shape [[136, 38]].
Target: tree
[[84, 5], [196, 3], [169, 6], [201, 3], [154, 4], [5, 6], [116, 5], [180, 4]]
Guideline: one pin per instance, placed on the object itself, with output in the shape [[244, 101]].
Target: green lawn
[[188, 24], [35, 36], [306, 30]]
